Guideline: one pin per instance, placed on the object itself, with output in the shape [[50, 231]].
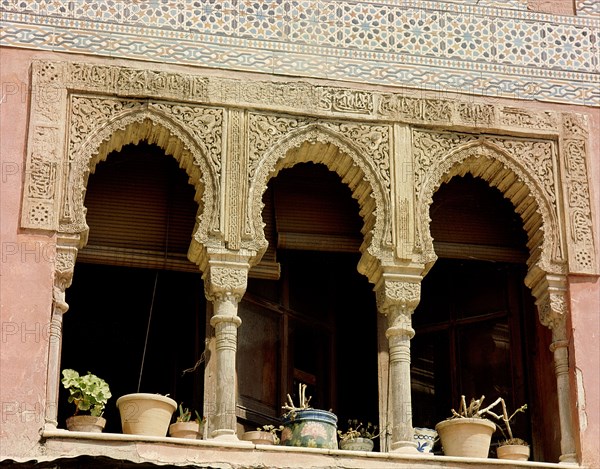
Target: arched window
[[317, 323], [477, 331], [135, 298]]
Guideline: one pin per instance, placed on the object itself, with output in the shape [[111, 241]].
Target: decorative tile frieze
[[486, 48]]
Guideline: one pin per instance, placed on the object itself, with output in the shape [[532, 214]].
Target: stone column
[[64, 263], [397, 299], [225, 283], [560, 349], [550, 291]]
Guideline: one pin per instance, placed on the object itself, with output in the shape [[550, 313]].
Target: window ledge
[[140, 449]]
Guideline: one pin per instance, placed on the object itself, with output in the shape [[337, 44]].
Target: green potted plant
[[510, 447], [186, 427], [265, 435], [358, 437], [467, 433], [90, 395], [305, 426]]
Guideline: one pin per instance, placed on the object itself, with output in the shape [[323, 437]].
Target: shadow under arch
[[317, 144], [132, 127], [499, 169]]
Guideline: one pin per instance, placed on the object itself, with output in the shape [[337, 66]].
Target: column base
[[225, 434], [404, 447], [569, 459]]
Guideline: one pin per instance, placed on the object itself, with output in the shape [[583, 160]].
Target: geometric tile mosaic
[[489, 47]]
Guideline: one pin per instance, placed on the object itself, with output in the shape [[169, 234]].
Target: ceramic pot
[[86, 423], [514, 452], [311, 428], [357, 444], [259, 437], [190, 430], [425, 439], [146, 414], [466, 437]]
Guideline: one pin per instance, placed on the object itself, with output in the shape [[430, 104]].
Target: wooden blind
[[140, 217]]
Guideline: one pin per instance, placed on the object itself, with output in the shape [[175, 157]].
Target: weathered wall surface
[[26, 276]]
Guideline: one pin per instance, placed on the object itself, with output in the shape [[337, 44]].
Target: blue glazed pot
[[312, 428]]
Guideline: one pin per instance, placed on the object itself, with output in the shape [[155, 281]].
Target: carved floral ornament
[[358, 153], [81, 111], [525, 171]]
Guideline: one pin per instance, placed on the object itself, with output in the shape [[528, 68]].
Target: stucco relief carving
[[507, 163], [99, 125], [358, 148], [406, 295], [415, 108], [49, 200], [128, 81], [351, 101], [291, 95], [553, 309], [225, 283], [577, 195], [518, 117]]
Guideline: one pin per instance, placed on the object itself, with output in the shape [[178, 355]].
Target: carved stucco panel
[[553, 309], [45, 150], [524, 118], [124, 81], [438, 155], [397, 293], [95, 121], [582, 248], [366, 145]]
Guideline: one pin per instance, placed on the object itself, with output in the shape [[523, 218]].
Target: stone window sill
[[236, 455]]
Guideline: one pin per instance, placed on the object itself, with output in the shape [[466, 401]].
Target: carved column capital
[[550, 293], [67, 247], [397, 295], [226, 278]]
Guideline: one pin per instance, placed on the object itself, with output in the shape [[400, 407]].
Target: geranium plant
[[88, 392]]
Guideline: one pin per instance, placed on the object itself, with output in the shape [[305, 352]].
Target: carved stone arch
[[357, 169], [139, 122], [502, 170]]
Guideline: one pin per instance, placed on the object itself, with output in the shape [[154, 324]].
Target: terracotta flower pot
[[146, 414], [514, 452], [86, 423], [190, 430], [466, 437], [259, 437]]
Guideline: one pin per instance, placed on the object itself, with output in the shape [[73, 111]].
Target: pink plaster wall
[[585, 315], [25, 277]]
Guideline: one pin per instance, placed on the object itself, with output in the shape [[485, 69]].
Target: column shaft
[[399, 334]]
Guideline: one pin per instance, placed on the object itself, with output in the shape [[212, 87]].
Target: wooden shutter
[[140, 210]]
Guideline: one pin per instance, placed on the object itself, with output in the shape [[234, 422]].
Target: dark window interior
[[110, 305], [323, 309], [476, 327]]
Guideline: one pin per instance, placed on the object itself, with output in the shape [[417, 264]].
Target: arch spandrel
[[531, 198], [105, 125], [358, 153]]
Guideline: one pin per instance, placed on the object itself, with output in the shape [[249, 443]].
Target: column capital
[[398, 295], [226, 277], [550, 292]]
